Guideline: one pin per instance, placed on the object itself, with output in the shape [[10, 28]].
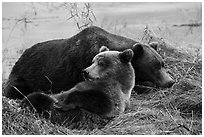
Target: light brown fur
[[106, 90]]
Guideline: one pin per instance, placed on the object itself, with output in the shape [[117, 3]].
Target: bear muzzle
[[165, 80], [86, 75]]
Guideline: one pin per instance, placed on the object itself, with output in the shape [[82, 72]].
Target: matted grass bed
[[177, 110]]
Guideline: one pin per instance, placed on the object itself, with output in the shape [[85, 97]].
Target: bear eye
[[162, 64], [158, 65], [101, 63]]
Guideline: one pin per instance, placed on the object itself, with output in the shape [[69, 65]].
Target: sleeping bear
[[56, 65], [106, 90]]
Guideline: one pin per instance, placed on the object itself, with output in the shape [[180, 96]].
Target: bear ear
[[103, 48], [154, 45], [138, 50], [126, 56]]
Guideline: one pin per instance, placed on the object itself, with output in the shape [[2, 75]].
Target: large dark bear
[[56, 65]]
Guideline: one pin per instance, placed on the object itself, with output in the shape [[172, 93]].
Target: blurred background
[[25, 24]]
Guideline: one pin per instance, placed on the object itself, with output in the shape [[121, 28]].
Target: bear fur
[[56, 65], [105, 92]]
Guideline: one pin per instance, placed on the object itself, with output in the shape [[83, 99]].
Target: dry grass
[[177, 110]]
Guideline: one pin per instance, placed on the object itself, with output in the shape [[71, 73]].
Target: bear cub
[[106, 90]]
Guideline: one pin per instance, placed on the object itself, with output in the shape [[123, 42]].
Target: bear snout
[[169, 84], [166, 82], [85, 74]]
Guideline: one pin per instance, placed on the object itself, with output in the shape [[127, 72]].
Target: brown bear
[[105, 92], [56, 65]]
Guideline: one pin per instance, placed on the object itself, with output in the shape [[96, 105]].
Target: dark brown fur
[[61, 62]]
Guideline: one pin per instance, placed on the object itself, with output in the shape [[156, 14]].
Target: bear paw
[[62, 107]]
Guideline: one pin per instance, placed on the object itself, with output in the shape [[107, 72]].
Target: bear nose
[[170, 83], [85, 73]]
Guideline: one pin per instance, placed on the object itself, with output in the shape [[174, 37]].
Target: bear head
[[149, 66], [108, 64], [113, 65]]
